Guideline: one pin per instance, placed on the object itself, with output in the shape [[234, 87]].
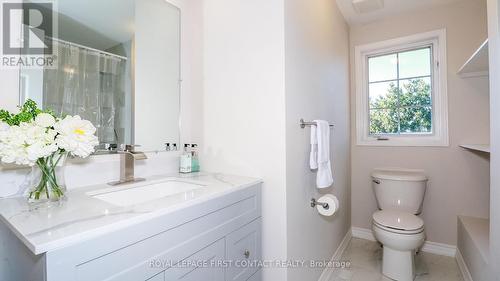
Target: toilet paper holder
[[314, 203]]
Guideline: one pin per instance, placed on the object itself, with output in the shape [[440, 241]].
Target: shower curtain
[[91, 84]]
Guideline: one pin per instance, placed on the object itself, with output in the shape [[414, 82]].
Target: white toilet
[[399, 194]]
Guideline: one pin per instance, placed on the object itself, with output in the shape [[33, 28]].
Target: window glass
[[415, 63], [384, 121], [415, 92], [383, 68], [415, 120], [383, 94], [400, 92]]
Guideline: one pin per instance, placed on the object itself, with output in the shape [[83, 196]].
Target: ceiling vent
[[366, 6]]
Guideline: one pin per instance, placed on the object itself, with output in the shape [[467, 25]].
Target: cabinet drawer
[[200, 266], [243, 248]]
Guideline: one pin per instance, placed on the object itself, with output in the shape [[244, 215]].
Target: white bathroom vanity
[[195, 227]]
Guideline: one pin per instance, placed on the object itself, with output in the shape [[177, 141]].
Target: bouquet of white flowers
[[39, 139]]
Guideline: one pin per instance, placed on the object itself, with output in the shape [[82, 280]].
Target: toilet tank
[[399, 189]]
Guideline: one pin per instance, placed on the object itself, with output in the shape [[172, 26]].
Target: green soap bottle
[[195, 162], [185, 160]]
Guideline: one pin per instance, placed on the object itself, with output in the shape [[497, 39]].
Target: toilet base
[[398, 265]]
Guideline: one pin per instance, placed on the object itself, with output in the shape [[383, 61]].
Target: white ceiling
[[391, 7]]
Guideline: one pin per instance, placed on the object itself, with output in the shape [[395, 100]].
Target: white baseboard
[[428, 247], [327, 273], [439, 249], [463, 267]]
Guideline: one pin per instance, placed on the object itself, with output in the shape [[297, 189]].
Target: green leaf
[[5, 116], [27, 113]]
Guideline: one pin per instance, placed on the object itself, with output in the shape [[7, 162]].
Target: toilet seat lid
[[398, 220]]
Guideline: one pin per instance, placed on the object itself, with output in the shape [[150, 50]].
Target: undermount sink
[[144, 192]]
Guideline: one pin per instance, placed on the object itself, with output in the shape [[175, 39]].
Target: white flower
[[3, 134], [76, 136], [26, 143], [14, 146], [4, 126], [40, 150], [45, 120], [31, 141]]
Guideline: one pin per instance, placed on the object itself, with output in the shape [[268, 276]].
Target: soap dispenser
[[185, 160], [195, 162]]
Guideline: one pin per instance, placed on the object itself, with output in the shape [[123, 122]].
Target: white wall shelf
[[477, 147], [477, 64]]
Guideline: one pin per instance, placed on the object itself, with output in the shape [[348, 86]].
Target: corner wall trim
[[463, 267], [428, 247], [327, 273]]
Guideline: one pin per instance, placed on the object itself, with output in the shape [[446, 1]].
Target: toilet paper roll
[[333, 205]]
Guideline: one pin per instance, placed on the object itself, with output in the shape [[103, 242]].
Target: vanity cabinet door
[[202, 266], [243, 248]]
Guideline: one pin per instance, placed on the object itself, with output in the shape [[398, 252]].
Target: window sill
[[405, 142]]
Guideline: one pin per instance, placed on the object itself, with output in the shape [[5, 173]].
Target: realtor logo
[[27, 28]]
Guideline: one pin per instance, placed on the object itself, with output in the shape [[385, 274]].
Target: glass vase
[[48, 184]]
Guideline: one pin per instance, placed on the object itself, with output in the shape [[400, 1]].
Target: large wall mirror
[[117, 65]]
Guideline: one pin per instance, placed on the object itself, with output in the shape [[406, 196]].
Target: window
[[401, 91]]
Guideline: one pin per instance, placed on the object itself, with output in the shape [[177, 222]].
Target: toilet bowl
[[396, 226], [401, 234]]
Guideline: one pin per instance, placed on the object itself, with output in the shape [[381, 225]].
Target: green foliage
[[406, 109], [5, 116], [27, 113]]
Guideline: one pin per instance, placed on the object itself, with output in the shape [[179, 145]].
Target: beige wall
[[459, 179], [317, 87]]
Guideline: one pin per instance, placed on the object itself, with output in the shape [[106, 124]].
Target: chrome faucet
[[127, 164]]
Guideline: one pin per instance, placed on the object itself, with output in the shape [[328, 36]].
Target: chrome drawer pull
[[247, 254]]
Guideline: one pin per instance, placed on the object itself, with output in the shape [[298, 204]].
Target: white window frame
[[439, 137]]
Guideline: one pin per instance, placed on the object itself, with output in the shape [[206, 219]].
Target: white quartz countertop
[[83, 217]]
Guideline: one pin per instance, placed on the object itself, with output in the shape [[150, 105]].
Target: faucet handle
[[129, 150], [110, 146]]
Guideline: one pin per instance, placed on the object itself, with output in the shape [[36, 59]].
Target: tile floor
[[366, 263]]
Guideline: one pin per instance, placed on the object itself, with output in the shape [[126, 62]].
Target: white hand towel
[[320, 153], [313, 159]]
